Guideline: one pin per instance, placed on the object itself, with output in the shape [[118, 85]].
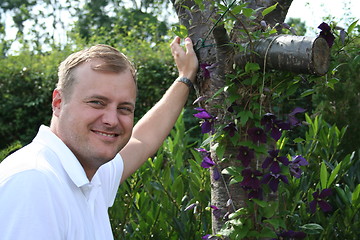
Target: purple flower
[[216, 174], [207, 69], [292, 119], [273, 180], [292, 235], [208, 123], [245, 155], [257, 135], [274, 160], [250, 180], [206, 237], [342, 36], [207, 161], [256, 193], [217, 211], [319, 199], [295, 164], [274, 125], [326, 33], [191, 206], [230, 129], [268, 121]]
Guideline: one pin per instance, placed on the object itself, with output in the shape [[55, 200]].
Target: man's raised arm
[[152, 129]]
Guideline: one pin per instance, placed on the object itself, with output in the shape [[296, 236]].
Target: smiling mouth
[[106, 134]]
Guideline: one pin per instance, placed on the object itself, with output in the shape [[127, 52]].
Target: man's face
[[96, 121]]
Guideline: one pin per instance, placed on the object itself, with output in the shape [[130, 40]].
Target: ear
[[56, 102]]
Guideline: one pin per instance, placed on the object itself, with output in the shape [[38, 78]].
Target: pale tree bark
[[213, 48]]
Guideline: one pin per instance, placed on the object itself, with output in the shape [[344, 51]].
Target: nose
[[110, 117]]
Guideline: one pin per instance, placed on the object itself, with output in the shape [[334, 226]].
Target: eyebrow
[[104, 98]]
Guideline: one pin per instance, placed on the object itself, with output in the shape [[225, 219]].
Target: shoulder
[[33, 159]]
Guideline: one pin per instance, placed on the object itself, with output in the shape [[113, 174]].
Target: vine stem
[[264, 70]]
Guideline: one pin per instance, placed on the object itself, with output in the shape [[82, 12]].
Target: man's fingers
[[189, 45]]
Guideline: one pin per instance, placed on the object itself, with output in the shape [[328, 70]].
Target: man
[[61, 185]]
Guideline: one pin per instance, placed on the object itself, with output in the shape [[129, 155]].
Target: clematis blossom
[[207, 161], [208, 120], [319, 199], [326, 33], [292, 235], [245, 155], [273, 161], [295, 164], [292, 119], [275, 126], [251, 180], [273, 180], [257, 135], [231, 129]]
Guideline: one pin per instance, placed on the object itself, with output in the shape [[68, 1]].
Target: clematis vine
[[273, 161], [245, 155], [295, 164], [208, 120], [319, 199], [207, 162], [273, 179], [326, 33]]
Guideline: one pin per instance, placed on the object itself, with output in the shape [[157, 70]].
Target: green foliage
[[340, 102], [152, 203], [7, 151], [26, 84]]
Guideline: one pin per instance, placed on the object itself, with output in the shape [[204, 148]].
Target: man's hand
[[186, 60]]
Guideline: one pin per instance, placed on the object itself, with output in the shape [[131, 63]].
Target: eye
[[126, 110], [96, 103]]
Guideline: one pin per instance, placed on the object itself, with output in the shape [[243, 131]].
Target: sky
[[312, 12]]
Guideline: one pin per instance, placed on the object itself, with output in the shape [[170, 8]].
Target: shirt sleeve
[[110, 176], [29, 209]]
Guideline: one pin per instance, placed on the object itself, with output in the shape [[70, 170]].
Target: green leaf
[[237, 213], [181, 31], [307, 93], [355, 200], [323, 176], [259, 202], [269, 10], [251, 67], [237, 9], [245, 116], [333, 174], [298, 140], [312, 228], [220, 150], [248, 12], [351, 27], [232, 170]]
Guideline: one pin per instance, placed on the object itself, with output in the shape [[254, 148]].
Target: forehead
[[106, 83]]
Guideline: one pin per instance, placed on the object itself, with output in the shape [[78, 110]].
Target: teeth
[[107, 135]]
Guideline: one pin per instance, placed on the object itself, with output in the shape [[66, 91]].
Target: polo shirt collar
[[68, 160]]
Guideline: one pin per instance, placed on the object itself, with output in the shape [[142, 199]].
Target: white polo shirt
[[45, 194]]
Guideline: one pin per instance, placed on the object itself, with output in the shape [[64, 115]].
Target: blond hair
[[112, 61]]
